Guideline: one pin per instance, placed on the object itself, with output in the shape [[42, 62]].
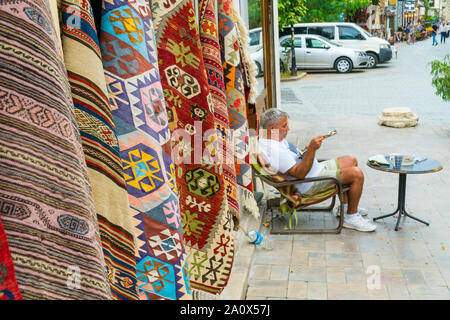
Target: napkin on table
[[379, 159]]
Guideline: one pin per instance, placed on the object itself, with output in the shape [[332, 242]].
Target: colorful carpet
[[46, 202], [9, 290], [82, 58], [249, 71], [209, 38], [139, 113], [197, 151], [237, 90]]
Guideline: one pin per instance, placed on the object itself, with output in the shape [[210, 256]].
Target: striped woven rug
[[82, 58], [139, 114], [47, 207]]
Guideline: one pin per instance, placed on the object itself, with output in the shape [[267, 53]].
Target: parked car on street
[[317, 52], [258, 58], [348, 35], [255, 36]]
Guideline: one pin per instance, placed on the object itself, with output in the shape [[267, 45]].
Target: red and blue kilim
[[207, 223], [139, 112]]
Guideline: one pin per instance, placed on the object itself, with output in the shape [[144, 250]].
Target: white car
[[317, 52], [255, 36], [258, 58], [349, 35]]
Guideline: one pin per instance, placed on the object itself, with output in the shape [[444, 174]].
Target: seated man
[[285, 158]]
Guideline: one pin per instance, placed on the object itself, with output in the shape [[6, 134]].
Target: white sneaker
[[362, 211], [357, 222]]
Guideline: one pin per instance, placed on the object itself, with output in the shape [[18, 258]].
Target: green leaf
[[440, 71]]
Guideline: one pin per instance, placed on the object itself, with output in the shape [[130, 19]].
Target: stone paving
[[412, 263]]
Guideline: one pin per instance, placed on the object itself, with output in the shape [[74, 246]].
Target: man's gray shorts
[[331, 169]]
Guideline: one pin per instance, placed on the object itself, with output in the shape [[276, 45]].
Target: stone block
[[399, 117]]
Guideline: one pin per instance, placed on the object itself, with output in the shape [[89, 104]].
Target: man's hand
[[301, 169], [316, 143]]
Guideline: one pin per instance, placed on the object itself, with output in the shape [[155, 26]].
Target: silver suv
[[317, 52]]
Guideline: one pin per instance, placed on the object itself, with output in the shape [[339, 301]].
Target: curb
[[303, 74]]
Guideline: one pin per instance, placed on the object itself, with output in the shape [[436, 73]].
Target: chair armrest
[[298, 181]]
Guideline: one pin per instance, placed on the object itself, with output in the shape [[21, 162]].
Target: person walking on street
[[433, 33], [413, 33], [407, 32], [446, 30], [442, 32]]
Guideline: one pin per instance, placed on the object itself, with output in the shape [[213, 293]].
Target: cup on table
[[397, 159]]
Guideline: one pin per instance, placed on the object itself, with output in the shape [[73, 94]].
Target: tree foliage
[[329, 10], [440, 70], [254, 14], [290, 12]]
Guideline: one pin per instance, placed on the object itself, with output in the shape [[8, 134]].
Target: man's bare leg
[[355, 178], [347, 162]]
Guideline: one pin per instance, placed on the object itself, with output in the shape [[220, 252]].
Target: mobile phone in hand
[[331, 133]]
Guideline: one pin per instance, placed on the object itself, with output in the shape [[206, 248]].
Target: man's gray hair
[[272, 117]]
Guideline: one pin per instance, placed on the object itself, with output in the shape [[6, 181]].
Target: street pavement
[[412, 263]]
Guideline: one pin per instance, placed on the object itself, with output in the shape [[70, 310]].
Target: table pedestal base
[[401, 204]]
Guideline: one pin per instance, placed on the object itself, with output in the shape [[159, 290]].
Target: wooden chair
[[290, 201]]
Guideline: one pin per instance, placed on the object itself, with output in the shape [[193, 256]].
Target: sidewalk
[[413, 263]]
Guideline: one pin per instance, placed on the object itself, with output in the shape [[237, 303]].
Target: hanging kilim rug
[[209, 38], [47, 207], [207, 223], [248, 68], [82, 57], [237, 104], [9, 290], [139, 114]]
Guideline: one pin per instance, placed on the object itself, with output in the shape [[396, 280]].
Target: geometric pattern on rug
[[200, 176], [139, 111]]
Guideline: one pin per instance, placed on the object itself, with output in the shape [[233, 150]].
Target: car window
[[349, 33], [327, 32], [330, 42], [287, 31], [315, 43], [254, 38], [300, 30], [287, 42]]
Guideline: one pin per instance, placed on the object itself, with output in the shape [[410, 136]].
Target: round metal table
[[421, 165]]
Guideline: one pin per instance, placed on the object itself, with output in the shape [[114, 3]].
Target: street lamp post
[[293, 61]]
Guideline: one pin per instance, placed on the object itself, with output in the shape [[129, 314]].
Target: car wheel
[[372, 61], [343, 65], [258, 69]]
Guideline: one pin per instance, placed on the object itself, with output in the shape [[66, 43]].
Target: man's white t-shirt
[[282, 156]]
